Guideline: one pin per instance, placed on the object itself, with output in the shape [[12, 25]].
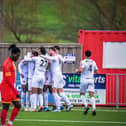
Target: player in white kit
[[31, 69], [87, 68], [23, 70], [57, 78], [38, 78], [69, 106], [47, 86]]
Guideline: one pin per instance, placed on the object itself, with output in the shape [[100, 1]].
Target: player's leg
[[14, 112], [23, 96], [34, 99], [92, 99], [83, 89], [40, 99], [27, 98], [3, 116], [40, 95], [34, 86], [65, 99], [6, 100], [60, 86], [45, 97], [56, 99], [30, 90], [23, 93]]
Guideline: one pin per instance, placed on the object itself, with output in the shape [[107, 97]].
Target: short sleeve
[[82, 64]]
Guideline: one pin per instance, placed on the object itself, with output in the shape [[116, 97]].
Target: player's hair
[[57, 47], [52, 48], [15, 50], [87, 53], [35, 53], [43, 50], [11, 47]]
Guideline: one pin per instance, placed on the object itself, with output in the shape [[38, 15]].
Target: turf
[[74, 118]]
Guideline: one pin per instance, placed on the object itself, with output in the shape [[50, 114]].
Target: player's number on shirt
[[43, 62], [90, 68]]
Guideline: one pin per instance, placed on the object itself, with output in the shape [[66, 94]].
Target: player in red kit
[[8, 92]]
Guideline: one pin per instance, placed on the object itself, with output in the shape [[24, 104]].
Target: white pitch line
[[71, 121], [104, 110]]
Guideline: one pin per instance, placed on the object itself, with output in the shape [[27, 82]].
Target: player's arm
[[81, 69], [9, 78], [20, 65], [61, 59], [28, 59], [96, 69], [49, 57]]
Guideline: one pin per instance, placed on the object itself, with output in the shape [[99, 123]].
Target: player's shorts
[[58, 81], [29, 84], [48, 78], [24, 80], [38, 81], [7, 95], [87, 85]]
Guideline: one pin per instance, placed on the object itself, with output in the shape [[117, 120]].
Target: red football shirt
[[9, 75]]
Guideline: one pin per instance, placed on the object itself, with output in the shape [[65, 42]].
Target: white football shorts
[[58, 81], [87, 85], [38, 81]]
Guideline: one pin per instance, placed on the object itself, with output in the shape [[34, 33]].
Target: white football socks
[[84, 100], [64, 98], [34, 101], [56, 100], [93, 103], [9, 122], [40, 99], [27, 100], [38, 104], [22, 99], [46, 99]]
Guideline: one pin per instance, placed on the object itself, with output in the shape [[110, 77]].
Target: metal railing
[[116, 89]]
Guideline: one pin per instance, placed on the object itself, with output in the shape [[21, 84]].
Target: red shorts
[[7, 95]]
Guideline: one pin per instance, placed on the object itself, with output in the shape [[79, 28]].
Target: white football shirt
[[23, 68], [40, 64], [89, 67]]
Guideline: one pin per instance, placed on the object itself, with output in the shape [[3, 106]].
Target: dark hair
[[11, 46], [87, 53], [57, 47], [35, 53], [43, 50], [52, 48], [15, 50]]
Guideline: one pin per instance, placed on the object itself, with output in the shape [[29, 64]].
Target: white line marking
[[71, 121], [104, 110]]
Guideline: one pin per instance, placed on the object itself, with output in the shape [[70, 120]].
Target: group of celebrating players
[[40, 71]]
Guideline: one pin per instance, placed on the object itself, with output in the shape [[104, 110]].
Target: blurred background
[[57, 21]]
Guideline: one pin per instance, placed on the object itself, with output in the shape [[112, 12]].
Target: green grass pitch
[[104, 117]]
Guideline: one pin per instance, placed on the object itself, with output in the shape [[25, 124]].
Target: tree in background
[[110, 14], [20, 18], [60, 20], [91, 15]]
